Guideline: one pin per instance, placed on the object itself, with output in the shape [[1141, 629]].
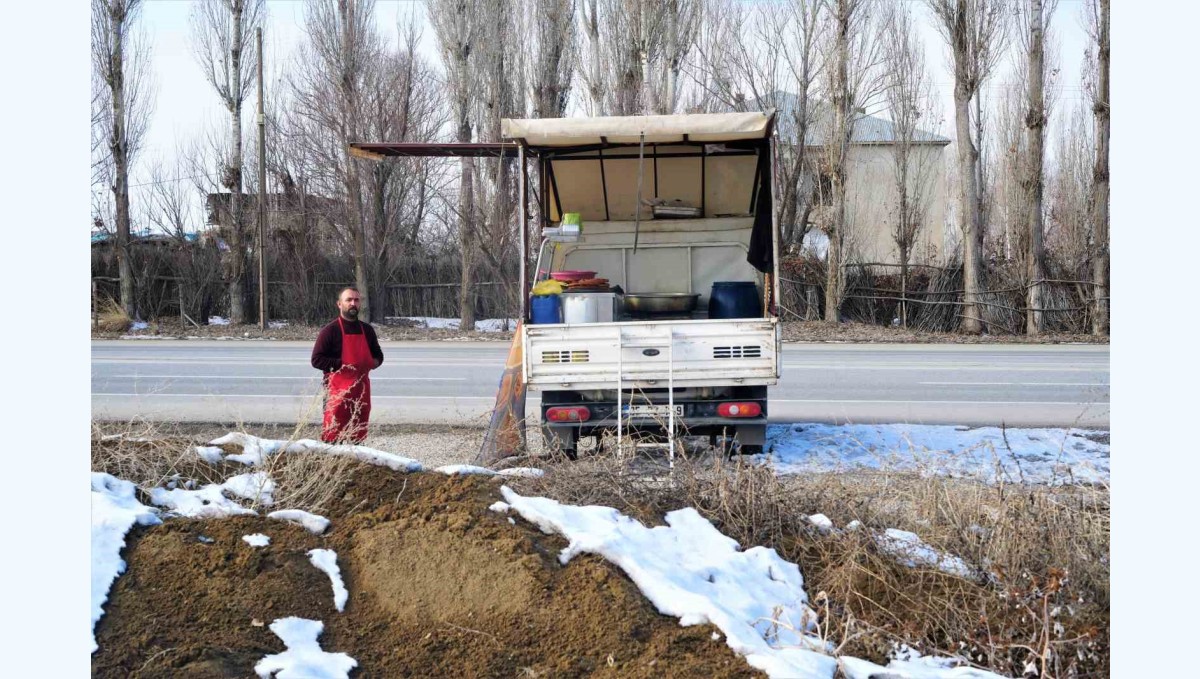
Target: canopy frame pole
[[523, 221], [637, 210]]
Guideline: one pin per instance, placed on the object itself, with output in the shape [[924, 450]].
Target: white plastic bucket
[[580, 308]]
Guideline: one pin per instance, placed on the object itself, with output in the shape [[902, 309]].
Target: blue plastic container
[[545, 309], [734, 299]]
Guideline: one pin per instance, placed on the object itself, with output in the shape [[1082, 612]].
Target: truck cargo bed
[[649, 354]]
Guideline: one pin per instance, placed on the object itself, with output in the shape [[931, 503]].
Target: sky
[[186, 105]]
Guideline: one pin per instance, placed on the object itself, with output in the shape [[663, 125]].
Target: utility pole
[[262, 193]]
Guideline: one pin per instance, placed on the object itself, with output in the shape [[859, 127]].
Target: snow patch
[[485, 325], [690, 570], [255, 486], [115, 509], [257, 540], [918, 668], [326, 560], [255, 450], [314, 523], [452, 469], [217, 320], [210, 454], [910, 550], [523, 472], [500, 507], [303, 658], [210, 502], [822, 522], [991, 454]]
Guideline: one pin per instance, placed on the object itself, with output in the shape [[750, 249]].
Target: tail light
[[749, 409], [569, 414]]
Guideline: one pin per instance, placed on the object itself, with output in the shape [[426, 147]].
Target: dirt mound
[[439, 585]]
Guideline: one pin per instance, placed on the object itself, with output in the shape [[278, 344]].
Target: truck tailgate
[[694, 353]]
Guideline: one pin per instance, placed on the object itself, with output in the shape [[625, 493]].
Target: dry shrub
[[151, 455], [1040, 598], [111, 316]]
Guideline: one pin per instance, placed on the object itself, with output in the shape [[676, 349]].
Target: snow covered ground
[[486, 325], [115, 510], [686, 568], [991, 454], [690, 570]]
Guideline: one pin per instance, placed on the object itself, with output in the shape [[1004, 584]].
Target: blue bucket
[[546, 309], [734, 299]]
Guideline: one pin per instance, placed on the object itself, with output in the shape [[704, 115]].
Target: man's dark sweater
[[327, 352]]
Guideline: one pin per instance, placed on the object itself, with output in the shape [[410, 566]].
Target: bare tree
[[330, 91], [909, 97], [554, 48], [1035, 24], [765, 56], [457, 26], [1097, 12], [851, 78], [975, 31], [221, 35], [121, 108], [634, 52], [169, 197], [1069, 192]]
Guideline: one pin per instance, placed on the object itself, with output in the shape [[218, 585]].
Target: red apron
[[348, 401]]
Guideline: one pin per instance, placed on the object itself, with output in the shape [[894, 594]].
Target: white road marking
[[924, 366], [998, 403], [314, 378], [1024, 384], [226, 397]]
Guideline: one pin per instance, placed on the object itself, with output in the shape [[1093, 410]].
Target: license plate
[[651, 411]]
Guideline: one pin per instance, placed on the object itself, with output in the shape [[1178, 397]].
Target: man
[[346, 351]]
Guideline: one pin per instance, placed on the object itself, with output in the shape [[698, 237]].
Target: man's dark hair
[[343, 290]]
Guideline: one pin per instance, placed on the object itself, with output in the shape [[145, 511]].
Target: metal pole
[[523, 222], [774, 189], [262, 193]]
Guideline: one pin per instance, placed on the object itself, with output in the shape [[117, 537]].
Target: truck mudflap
[[652, 354]]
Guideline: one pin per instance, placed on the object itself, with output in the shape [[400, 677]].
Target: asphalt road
[[455, 383]]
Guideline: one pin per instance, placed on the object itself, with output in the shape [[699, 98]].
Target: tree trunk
[[120, 149], [119, 146], [906, 231], [969, 216], [237, 248], [1100, 182], [834, 275], [466, 297], [1035, 120]]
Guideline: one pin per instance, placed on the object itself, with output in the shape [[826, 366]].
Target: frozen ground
[[987, 453]]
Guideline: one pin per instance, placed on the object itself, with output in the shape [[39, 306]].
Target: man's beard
[[351, 314]]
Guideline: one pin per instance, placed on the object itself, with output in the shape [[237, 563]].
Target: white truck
[[660, 371]]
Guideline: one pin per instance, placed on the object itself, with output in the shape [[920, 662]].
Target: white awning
[[698, 127]]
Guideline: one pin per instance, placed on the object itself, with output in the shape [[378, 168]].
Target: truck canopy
[[616, 130]]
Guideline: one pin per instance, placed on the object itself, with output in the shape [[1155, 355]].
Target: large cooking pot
[[660, 302]]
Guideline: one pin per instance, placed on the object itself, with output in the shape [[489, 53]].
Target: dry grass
[[111, 316], [1040, 598], [152, 455]]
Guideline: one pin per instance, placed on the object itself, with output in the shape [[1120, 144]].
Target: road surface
[[455, 383]]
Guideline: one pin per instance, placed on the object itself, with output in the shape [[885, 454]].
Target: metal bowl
[[660, 302]]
